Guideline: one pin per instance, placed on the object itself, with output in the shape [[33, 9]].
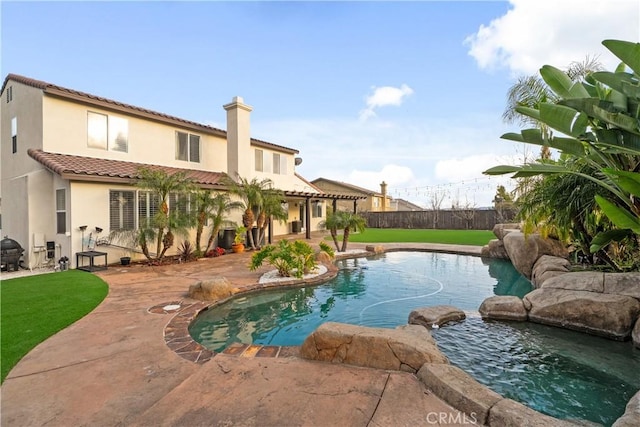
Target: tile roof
[[95, 169], [349, 187], [109, 103]]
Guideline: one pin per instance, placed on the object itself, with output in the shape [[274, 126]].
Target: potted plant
[[125, 259], [238, 240]]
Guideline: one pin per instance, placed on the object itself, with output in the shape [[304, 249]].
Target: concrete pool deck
[[112, 367]]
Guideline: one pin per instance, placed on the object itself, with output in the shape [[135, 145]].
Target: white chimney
[[239, 154]]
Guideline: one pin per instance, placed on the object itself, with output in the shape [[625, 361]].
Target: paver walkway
[[113, 368]]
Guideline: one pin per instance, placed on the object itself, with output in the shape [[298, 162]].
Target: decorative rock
[[525, 251], [548, 266], [501, 230], [437, 315], [589, 281], [631, 416], [503, 308], [607, 315], [494, 249], [635, 334], [622, 284], [211, 290], [509, 413], [459, 390], [381, 348], [378, 249]]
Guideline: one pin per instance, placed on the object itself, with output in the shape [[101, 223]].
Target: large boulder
[[501, 230], [436, 315], [494, 249], [396, 349], [607, 315], [459, 390], [631, 416], [524, 251], [548, 266], [503, 307], [211, 290], [588, 281], [622, 284], [635, 334]]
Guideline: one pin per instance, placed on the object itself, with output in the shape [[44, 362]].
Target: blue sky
[[407, 92]]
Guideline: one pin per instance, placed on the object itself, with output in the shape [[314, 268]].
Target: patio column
[[307, 215], [335, 205], [355, 206]]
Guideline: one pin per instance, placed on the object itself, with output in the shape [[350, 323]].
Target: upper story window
[[259, 156], [9, 94], [14, 135], [107, 132], [280, 164], [376, 202], [187, 147]]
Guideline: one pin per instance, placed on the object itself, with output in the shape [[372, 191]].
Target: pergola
[[327, 196]]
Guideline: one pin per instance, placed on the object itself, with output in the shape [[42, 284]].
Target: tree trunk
[[345, 239], [334, 236], [213, 235]]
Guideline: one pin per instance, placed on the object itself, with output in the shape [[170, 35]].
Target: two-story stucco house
[[368, 201], [69, 160]]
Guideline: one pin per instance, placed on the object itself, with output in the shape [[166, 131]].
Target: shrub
[[289, 258]]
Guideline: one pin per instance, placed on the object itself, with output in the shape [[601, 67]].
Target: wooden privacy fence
[[464, 219]]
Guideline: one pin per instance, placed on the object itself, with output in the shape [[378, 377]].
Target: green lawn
[[35, 307], [394, 235]]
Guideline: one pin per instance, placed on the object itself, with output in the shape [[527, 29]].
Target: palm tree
[[219, 205], [251, 194], [333, 222], [165, 221], [270, 209], [350, 221]]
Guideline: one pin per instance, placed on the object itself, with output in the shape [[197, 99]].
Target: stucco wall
[[65, 132]]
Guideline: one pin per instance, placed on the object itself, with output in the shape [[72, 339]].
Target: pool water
[[561, 373]]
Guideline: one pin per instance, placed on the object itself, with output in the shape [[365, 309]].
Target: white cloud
[[393, 175], [538, 32], [471, 167], [409, 156], [384, 96]]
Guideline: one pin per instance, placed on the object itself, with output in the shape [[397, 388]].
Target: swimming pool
[[381, 291]]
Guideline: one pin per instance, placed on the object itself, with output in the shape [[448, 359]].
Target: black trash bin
[[226, 238], [296, 227]]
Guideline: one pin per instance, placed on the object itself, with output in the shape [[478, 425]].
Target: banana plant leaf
[[614, 80], [621, 218], [527, 170], [628, 52], [534, 136], [564, 119], [529, 112], [602, 239], [631, 90], [561, 84], [586, 105], [626, 180], [618, 119]]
